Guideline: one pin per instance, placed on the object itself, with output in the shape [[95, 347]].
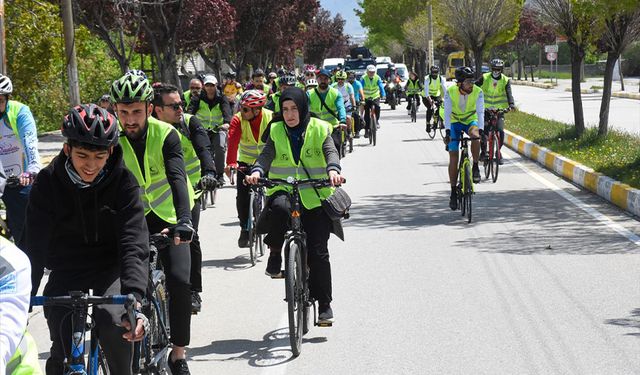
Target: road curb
[[627, 95], [622, 195], [532, 84]]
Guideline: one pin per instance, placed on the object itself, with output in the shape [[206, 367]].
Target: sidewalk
[[630, 85]]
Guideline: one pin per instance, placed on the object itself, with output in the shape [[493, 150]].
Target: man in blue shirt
[[358, 95]]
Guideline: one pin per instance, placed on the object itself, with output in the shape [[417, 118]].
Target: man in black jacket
[[85, 222]]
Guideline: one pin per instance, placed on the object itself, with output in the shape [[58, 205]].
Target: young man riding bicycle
[[358, 96], [346, 90], [373, 93], [434, 91], [85, 222], [463, 112], [327, 103]]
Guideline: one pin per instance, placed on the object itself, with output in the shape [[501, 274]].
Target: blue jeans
[[15, 200]]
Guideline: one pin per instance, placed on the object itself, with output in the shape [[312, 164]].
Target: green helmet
[[131, 88], [341, 75]]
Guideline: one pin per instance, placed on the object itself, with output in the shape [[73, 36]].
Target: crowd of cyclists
[[135, 162]]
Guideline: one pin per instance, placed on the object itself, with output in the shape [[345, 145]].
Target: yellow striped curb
[[532, 84], [616, 192], [627, 95]]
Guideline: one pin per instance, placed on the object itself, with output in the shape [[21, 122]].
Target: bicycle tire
[[203, 201], [495, 155], [468, 190], [251, 228], [295, 297], [351, 144], [374, 131], [156, 343], [440, 122], [432, 132], [413, 111], [257, 212], [487, 162], [462, 180], [103, 366]]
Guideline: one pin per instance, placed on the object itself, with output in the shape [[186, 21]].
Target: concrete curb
[[584, 91], [627, 95], [622, 195], [532, 84]]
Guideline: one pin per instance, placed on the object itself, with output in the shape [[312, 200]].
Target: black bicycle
[[257, 202], [81, 321], [373, 121], [413, 108], [296, 270], [464, 187], [207, 195]]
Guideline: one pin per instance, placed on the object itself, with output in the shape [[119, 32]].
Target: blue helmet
[[324, 72]]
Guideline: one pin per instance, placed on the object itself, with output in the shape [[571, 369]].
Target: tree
[[622, 26], [580, 22], [325, 38], [387, 17], [531, 32], [416, 35], [480, 24]]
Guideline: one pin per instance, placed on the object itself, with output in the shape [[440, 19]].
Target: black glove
[[208, 182], [447, 137], [184, 230]]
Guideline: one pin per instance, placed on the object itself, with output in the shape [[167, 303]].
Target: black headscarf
[[302, 102]]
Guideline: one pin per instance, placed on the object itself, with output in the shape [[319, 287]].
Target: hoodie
[[76, 231]]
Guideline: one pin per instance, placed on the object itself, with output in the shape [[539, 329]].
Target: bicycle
[[81, 321], [464, 187], [414, 109], [437, 121], [492, 161], [257, 201], [12, 181], [296, 270], [373, 122], [151, 354], [207, 195]]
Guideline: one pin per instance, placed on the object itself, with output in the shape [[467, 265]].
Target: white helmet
[[210, 78], [311, 82], [371, 68], [6, 87]]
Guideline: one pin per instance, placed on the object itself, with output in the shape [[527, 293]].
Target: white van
[[383, 60], [330, 63]]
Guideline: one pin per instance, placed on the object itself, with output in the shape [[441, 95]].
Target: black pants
[[242, 196], [367, 107], [196, 251], [317, 226], [336, 135], [176, 261], [218, 148], [118, 351], [15, 200], [357, 121], [416, 97], [430, 110]]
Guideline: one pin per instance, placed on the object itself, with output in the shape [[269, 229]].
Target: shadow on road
[[273, 350], [632, 322], [239, 263]]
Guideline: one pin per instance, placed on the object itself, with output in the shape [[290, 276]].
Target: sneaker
[[178, 367], [273, 265], [500, 162], [483, 156], [428, 128], [325, 314], [378, 125], [243, 240], [357, 135], [475, 171], [453, 200], [366, 133], [220, 180], [196, 302]]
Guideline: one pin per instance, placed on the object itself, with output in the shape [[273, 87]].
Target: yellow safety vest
[[413, 88], [156, 191], [283, 165], [275, 98], [315, 105], [495, 97], [469, 114], [370, 87], [250, 148], [25, 360], [191, 160], [211, 117], [12, 116], [434, 86]]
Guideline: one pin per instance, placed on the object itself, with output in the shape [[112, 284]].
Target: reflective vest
[[315, 105], [191, 160], [156, 191], [275, 98], [12, 116], [370, 87], [495, 97], [250, 148], [434, 86], [187, 99], [283, 164], [211, 118], [25, 360], [413, 87], [469, 114]]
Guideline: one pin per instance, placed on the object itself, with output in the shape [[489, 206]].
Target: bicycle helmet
[[497, 64], [371, 68], [210, 79], [273, 75], [6, 87], [434, 70], [137, 72], [464, 72], [341, 75], [253, 99], [289, 80], [88, 123], [131, 88], [281, 72], [230, 74], [312, 83]]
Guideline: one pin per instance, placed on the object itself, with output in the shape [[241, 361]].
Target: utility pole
[[3, 56], [70, 52], [430, 52]]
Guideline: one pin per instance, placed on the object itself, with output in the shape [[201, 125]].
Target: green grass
[[597, 88], [546, 74], [617, 155]]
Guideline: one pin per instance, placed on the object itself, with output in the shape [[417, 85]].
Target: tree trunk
[[576, 66], [477, 55], [603, 125], [621, 77]]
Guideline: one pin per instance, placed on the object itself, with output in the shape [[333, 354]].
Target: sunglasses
[[174, 106]]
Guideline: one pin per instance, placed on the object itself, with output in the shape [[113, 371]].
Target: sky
[[345, 8]]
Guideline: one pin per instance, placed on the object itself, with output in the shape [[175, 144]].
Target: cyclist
[[434, 91], [373, 93], [257, 82], [310, 72], [358, 96], [18, 154], [198, 165], [215, 114], [414, 89], [105, 103], [85, 222], [463, 112], [274, 100], [295, 137], [497, 95], [347, 92], [327, 103], [153, 152], [247, 128], [195, 87], [231, 88], [310, 84], [271, 78]]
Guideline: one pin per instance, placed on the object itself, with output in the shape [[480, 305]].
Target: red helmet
[[90, 124], [253, 99]]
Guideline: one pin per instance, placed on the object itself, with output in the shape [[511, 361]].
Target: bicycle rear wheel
[[295, 285], [251, 228], [413, 111], [488, 170], [440, 123], [495, 155], [155, 346], [374, 130], [468, 190]]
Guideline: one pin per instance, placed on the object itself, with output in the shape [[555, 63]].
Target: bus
[[454, 60]]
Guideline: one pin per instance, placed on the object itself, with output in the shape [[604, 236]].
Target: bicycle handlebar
[[161, 240], [272, 182]]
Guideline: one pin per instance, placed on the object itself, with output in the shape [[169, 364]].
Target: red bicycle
[[492, 161]]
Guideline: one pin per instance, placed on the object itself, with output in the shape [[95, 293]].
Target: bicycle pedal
[[279, 276], [325, 324]]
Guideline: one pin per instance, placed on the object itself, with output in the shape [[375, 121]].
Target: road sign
[[551, 56], [551, 48]]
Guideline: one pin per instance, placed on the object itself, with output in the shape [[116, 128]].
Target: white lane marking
[[580, 204], [275, 369]]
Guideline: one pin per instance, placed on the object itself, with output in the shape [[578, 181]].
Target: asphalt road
[[543, 281]]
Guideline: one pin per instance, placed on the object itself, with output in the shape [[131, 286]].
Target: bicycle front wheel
[[374, 130], [495, 155], [468, 190], [413, 111], [251, 229], [295, 285]]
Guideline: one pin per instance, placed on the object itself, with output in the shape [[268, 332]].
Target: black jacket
[[70, 229], [219, 99]]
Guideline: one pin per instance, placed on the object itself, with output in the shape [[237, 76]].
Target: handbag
[[337, 205]]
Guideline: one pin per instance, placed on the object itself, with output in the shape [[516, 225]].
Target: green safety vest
[[495, 97], [301, 86], [469, 114], [413, 88], [187, 99], [315, 105], [434, 86], [156, 191], [283, 164], [250, 148], [275, 98], [191, 160], [370, 87], [12, 116], [211, 118], [25, 360]]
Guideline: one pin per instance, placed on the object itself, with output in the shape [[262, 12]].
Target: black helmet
[[230, 74], [281, 72], [90, 124], [434, 70], [257, 73], [289, 80], [497, 64], [464, 72]]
